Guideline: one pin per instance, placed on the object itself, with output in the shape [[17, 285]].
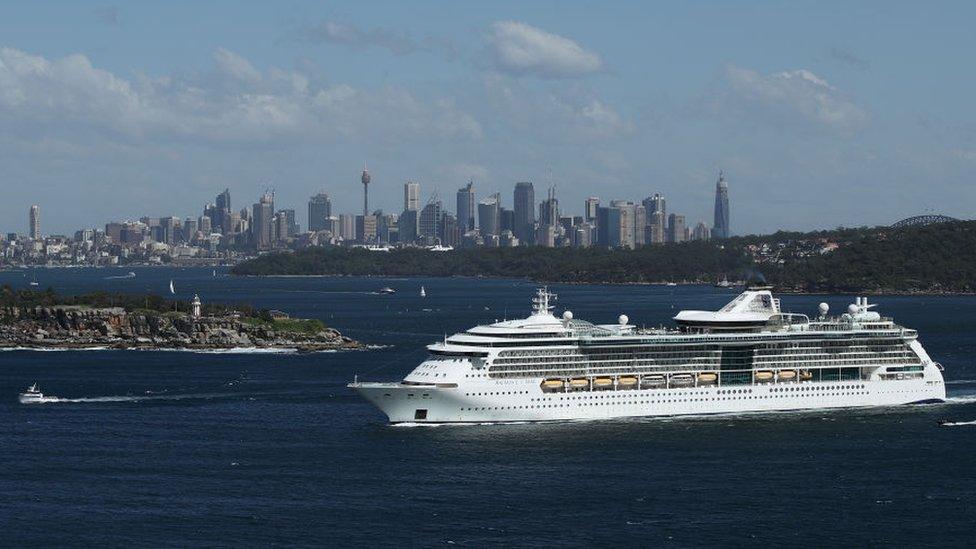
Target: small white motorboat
[[386, 290], [423, 292], [33, 395]]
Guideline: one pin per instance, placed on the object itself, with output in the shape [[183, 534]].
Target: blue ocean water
[[178, 448]]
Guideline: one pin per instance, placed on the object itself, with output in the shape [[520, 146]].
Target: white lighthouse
[[196, 306]]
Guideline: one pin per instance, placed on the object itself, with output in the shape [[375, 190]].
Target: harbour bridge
[[920, 220]]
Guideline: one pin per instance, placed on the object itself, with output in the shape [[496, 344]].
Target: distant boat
[[423, 292], [215, 273], [131, 274], [172, 289], [671, 284], [386, 290], [33, 281], [34, 396]]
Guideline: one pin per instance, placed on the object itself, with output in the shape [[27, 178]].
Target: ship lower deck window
[[420, 414]]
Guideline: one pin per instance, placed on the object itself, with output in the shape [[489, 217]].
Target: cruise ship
[[749, 356]]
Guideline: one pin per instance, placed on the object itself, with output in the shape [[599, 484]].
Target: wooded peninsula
[[937, 258]]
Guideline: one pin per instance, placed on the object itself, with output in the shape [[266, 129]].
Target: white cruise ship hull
[[524, 401], [747, 357]]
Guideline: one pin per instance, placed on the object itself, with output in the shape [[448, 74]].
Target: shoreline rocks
[[76, 327]]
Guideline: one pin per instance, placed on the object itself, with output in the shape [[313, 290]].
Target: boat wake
[[228, 351], [957, 423], [968, 398], [54, 349], [141, 398]]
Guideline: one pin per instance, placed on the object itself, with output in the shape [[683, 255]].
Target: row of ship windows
[[815, 389], [819, 390], [744, 363], [659, 401], [827, 346], [745, 355], [685, 352], [651, 367]]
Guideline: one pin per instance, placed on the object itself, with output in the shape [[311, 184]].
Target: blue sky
[[821, 114]]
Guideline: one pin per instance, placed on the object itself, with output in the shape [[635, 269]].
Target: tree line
[[933, 258]]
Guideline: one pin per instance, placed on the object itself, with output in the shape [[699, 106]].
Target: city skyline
[[218, 217], [108, 117]]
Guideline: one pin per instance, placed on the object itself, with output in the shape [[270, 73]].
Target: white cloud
[[784, 99], [464, 172], [333, 32], [521, 49], [235, 66], [602, 117], [559, 115], [237, 104]]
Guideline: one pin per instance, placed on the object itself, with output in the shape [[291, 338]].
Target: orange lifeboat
[[579, 384], [627, 382], [602, 383], [552, 385], [707, 378]]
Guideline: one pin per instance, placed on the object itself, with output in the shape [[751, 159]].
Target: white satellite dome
[[852, 308], [567, 315], [623, 320], [824, 308]]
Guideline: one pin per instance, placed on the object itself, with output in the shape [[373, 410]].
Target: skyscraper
[[549, 209], [548, 220], [656, 218], [700, 232], [589, 212], [489, 216], [319, 210], [35, 222], [450, 233], [430, 219], [204, 225], [465, 207], [621, 224], [366, 228], [219, 218], [290, 225], [411, 196], [525, 212], [677, 231], [640, 225], [720, 228], [407, 226], [261, 229], [365, 179]]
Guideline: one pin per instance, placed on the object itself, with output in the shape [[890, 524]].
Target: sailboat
[[215, 273], [423, 292], [172, 289], [33, 281]]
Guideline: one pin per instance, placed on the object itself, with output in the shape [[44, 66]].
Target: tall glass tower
[[720, 228], [466, 208], [525, 212]]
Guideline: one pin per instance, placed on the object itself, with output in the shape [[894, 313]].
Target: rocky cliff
[[83, 327]]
